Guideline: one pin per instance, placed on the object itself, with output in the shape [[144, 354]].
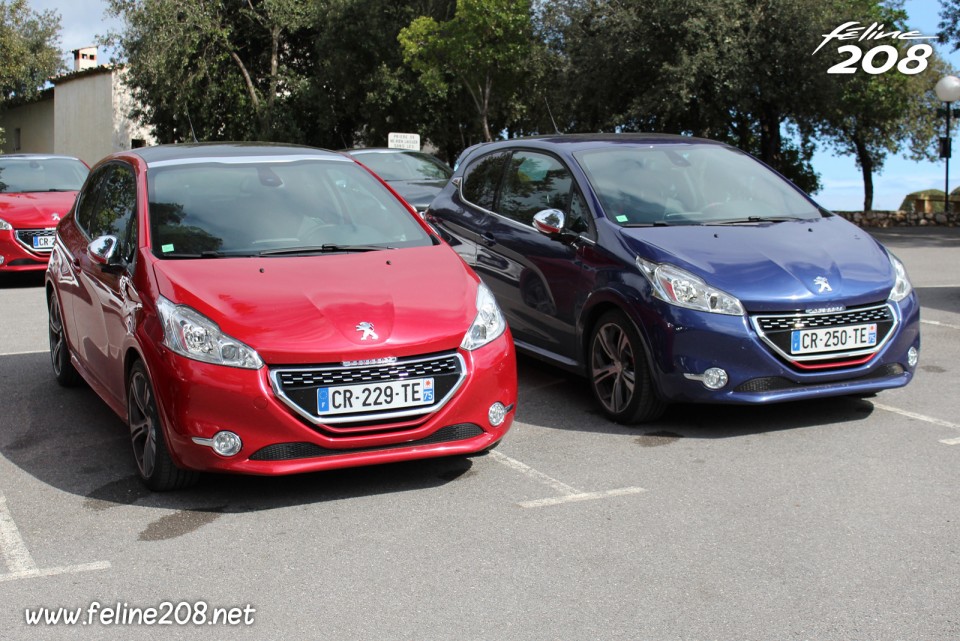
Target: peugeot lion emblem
[[367, 329], [823, 284]]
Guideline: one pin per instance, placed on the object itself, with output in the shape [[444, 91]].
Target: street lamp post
[[948, 90]]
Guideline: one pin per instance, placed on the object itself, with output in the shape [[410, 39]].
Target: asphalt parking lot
[[837, 519]]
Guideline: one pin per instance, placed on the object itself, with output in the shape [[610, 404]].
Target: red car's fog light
[[224, 443], [496, 414]]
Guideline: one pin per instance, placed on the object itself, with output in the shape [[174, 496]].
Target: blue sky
[[840, 177], [842, 183]]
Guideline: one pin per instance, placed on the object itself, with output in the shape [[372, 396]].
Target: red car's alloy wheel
[[149, 448], [63, 369]]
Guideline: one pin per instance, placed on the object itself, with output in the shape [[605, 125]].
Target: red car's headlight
[[191, 334]]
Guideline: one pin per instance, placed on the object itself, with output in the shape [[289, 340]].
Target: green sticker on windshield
[[622, 219], [167, 248]]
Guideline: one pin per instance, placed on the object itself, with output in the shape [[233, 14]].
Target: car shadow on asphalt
[[944, 299], [555, 399], [917, 237], [69, 439], [21, 280]]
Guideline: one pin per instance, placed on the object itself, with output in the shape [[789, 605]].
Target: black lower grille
[[291, 451], [777, 383]]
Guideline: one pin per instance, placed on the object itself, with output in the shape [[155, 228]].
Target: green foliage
[[359, 90], [342, 73], [222, 65], [483, 48], [871, 116], [29, 49]]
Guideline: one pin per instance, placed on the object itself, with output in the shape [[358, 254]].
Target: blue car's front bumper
[[685, 343]]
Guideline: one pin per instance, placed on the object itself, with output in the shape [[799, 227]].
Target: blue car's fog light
[[913, 357], [713, 378]]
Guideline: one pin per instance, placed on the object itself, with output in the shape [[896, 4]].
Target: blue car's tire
[[619, 371]]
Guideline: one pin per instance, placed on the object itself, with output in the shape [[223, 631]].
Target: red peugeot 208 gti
[[270, 310], [36, 191]]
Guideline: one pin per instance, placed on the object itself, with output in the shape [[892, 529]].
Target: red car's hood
[[308, 309], [36, 210]]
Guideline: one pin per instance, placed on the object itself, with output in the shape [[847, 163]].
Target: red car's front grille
[[298, 386], [26, 238]]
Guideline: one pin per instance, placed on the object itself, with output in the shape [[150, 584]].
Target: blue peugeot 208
[[673, 269]]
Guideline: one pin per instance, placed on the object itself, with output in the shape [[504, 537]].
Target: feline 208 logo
[[880, 58]]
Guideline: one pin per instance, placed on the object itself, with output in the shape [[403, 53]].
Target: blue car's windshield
[[689, 184]]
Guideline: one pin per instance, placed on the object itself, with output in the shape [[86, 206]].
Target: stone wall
[[903, 218]]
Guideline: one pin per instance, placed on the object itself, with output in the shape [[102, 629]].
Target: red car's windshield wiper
[[209, 254], [322, 249]]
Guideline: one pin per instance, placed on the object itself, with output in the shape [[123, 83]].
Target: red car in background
[[269, 309], [36, 191]]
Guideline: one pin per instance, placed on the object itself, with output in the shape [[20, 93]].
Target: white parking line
[[37, 351], [926, 419], [568, 494], [17, 557], [15, 552], [939, 324]]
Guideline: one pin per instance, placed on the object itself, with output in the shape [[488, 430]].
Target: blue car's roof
[[570, 143]]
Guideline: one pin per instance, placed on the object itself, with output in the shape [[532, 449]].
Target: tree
[[873, 115], [732, 70], [359, 87], [484, 48], [29, 50], [218, 67]]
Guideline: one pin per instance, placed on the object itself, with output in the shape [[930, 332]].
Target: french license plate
[[375, 397], [43, 242], [830, 339]]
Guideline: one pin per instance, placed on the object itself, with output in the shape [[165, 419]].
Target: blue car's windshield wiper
[[658, 223], [750, 220], [322, 249]]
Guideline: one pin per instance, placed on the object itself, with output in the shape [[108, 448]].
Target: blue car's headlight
[[901, 287], [679, 287]]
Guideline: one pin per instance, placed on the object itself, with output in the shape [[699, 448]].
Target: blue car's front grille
[[779, 331], [810, 321]]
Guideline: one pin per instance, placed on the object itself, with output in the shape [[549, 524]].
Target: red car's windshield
[[262, 206], [23, 175]]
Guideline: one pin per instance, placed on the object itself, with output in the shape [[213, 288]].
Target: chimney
[[84, 58]]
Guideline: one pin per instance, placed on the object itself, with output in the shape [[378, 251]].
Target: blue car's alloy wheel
[[619, 371]]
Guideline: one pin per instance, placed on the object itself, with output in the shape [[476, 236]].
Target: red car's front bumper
[[15, 257], [196, 400]]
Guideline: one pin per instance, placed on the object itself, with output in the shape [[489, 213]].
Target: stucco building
[[84, 114]]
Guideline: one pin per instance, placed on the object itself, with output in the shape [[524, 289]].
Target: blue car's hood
[[776, 266]]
